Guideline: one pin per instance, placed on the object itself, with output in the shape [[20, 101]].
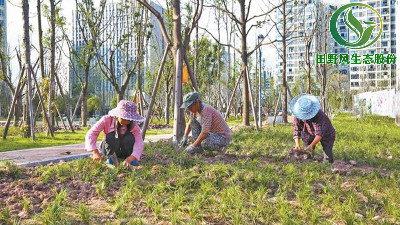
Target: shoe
[[195, 150], [222, 151]]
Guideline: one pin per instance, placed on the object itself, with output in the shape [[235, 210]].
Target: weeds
[[55, 211], [84, 213], [249, 185]]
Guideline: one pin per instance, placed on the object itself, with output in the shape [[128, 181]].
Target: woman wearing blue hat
[[312, 125]]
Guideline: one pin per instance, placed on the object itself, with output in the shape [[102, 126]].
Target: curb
[[55, 160]]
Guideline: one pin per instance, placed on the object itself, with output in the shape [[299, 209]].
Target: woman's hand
[[297, 142], [127, 162], [96, 156]]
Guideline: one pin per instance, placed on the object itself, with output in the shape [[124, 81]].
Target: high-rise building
[[375, 76], [3, 22], [300, 22], [397, 34], [119, 25]]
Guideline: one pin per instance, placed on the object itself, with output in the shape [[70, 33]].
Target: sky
[[15, 25]]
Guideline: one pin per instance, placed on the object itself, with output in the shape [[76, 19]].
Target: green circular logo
[[363, 34]]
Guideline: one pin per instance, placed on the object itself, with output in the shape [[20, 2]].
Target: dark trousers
[[121, 146], [326, 142]]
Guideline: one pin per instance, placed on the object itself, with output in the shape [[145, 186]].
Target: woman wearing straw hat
[[123, 137], [312, 125]]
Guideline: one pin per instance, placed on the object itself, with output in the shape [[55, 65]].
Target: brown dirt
[[14, 190]]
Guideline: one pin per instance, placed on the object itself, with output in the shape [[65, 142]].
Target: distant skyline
[[15, 25]]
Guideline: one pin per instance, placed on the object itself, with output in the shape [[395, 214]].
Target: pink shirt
[[106, 124]]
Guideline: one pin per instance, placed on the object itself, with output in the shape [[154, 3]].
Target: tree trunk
[[13, 105], [30, 130], [284, 84], [52, 58], [154, 93], [120, 95], [167, 107], [84, 112], [66, 102], [179, 122], [323, 78], [245, 93], [40, 31], [308, 66]]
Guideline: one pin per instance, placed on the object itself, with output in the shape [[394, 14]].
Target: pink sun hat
[[126, 110]]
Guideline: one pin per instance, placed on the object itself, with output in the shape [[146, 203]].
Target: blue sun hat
[[305, 106]]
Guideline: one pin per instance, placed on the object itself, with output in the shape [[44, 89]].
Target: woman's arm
[[91, 138], [138, 146]]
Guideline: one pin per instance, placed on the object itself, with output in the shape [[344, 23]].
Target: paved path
[[43, 156]]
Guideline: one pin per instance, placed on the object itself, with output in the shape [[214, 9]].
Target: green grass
[[249, 185], [15, 141]]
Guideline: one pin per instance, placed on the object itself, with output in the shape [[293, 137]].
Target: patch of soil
[[13, 191], [344, 168], [339, 166]]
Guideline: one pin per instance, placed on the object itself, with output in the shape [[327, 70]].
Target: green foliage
[[93, 103], [339, 96], [5, 216], [84, 213], [113, 103], [10, 169], [26, 204], [250, 184], [55, 211]]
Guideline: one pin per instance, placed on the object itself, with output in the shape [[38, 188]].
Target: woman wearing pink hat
[[123, 137]]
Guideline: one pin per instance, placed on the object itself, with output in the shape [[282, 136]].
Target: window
[[2, 2]]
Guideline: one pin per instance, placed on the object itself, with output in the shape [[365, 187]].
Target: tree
[[287, 33], [133, 29], [28, 115], [210, 68], [4, 75], [309, 31], [91, 25], [244, 24], [178, 47], [94, 103], [322, 38], [340, 97]]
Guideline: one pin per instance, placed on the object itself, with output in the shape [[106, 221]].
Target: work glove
[[184, 141]]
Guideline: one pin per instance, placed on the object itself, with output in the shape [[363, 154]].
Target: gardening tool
[[113, 160]]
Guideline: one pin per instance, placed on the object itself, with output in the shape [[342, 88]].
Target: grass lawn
[[251, 184], [15, 141]]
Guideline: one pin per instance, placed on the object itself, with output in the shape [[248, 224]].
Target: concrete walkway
[[55, 154]]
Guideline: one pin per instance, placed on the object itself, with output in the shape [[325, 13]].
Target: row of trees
[[216, 61]]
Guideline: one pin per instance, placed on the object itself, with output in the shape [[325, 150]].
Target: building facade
[[301, 20], [119, 25], [360, 77], [397, 34], [375, 76], [3, 22]]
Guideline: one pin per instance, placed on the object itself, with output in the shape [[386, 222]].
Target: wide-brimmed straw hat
[[126, 110], [305, 106]]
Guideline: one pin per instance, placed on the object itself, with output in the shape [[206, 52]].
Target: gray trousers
[[214, 142]]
